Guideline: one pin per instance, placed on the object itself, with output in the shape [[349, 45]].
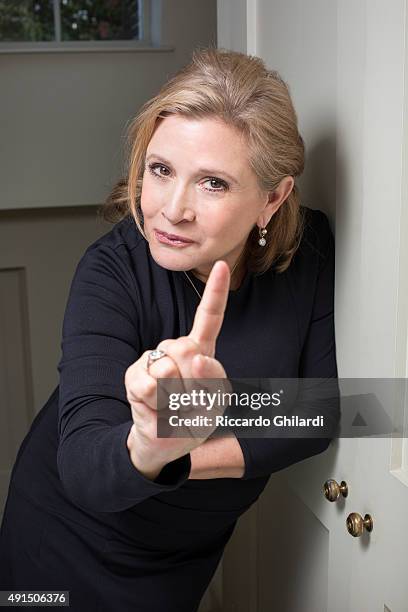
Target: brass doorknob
[[356, 524], [332, 489]]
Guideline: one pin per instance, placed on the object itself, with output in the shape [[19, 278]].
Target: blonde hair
[[241, 91]]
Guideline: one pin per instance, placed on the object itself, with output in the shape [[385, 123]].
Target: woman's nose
[[177, 206]]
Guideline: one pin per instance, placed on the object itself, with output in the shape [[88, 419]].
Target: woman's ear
[[275, 199]]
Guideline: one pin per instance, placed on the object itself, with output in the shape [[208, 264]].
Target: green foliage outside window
[[81, 20], [26, 21]]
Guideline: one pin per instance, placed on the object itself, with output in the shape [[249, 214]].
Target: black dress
[[78, 515]]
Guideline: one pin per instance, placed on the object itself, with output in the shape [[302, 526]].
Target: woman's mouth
[[166, 239]]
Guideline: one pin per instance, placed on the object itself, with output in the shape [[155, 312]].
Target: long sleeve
[[264, 456], [100, 340]]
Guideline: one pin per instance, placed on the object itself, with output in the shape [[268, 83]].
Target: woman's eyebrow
[[199, 170]]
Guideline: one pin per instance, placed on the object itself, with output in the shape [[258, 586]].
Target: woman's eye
[[222, 186], [153, 167]]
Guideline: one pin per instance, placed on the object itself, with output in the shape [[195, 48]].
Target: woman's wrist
[[217, 458], [147, 469]]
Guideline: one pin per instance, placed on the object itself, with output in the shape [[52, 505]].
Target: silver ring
[[154, 356]]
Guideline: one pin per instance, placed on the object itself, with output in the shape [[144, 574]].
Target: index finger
[[210, 311]]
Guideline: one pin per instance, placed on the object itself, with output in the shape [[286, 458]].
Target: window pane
[[26, 20], [99, 19]]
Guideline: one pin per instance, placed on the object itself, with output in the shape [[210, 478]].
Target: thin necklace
[[194, 287]]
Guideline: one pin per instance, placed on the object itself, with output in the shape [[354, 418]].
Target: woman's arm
[[217, 458], [256, 457], [317, 361], [99, 341]]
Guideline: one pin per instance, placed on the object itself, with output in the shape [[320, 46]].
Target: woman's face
[[197, 184]]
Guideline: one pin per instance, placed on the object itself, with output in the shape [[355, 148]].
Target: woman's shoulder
[[317, 237], [117, 261], [124, 233], [117, 249]]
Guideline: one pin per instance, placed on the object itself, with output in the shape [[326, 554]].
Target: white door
[[345, 63]]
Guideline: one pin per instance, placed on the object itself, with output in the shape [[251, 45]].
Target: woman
[[98, 505]]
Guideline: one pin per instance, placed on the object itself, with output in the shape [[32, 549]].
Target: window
[[65, 23]]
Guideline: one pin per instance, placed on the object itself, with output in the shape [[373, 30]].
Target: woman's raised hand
[[189, 357]]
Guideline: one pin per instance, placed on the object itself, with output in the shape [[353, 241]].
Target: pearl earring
[[262, 232]]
